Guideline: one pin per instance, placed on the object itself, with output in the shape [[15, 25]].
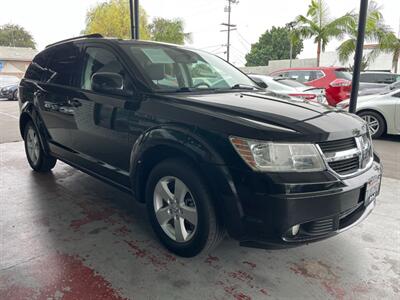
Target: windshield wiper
[[241, 86], [184, 89]]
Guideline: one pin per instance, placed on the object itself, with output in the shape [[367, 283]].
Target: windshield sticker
[[157, 56]]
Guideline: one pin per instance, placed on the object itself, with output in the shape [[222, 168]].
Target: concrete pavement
[[65, 235]]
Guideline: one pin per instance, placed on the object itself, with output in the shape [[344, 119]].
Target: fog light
[[295, 229]]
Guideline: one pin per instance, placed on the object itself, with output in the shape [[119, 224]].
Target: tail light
[[340, 82], [310, 97]]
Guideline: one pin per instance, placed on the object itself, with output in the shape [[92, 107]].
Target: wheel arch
[[28, 113], [159, 144]]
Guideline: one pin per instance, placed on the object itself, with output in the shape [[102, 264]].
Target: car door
[[101, 139], [54, 94], [397, 114]]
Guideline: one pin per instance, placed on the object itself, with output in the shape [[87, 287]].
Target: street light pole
[[137, 35], [134, 15], [358, 55], [132, 20]]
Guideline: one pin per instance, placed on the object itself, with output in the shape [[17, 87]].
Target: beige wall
[[15, 68]]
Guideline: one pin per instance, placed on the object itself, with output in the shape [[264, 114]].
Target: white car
[[292, 88], [380, 111]]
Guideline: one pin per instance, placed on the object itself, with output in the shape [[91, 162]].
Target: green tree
[[169, 31], [375, 31], [16, 36], [317, 24], [390, 43], [112, 18], [273, 44]]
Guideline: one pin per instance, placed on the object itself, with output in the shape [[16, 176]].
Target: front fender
[[207, 160], [181, 139]]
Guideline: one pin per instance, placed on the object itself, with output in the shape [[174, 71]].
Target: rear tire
[[181, 210], [375, 121], [38, 160]]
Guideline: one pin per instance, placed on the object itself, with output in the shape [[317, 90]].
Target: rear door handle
[[74, 103]]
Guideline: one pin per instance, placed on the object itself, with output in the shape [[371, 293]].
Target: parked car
[[291, 88], [10, 92], [204, 157], [384, 88], [6, 80], [379, 77], [380, 111], [336, 81]]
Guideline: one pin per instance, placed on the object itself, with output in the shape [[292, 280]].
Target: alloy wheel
[[175, 209], [373, 123], [33, 146]]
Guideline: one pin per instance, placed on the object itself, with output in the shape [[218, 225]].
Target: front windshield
[[169, 68]]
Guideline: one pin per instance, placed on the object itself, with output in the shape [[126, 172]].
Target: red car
[[336, 81]]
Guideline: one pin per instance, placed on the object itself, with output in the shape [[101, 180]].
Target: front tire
[[376, 123], [38, 160], [180, 209]]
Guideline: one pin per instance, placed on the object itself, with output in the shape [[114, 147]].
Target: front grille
[[338, 145], [345, 166]]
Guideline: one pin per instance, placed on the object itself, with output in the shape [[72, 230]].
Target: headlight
[[278, 157]]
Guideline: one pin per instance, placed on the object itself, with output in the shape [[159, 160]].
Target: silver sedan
[[380, 111]]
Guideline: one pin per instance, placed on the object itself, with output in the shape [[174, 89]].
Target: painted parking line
[[8, 115]]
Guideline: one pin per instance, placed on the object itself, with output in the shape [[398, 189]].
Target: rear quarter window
[[37, 68]]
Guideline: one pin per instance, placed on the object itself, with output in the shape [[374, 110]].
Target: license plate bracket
[[372, 189]]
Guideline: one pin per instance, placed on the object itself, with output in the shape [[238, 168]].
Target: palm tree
[[390, 43], [318, 24], [375, 31]]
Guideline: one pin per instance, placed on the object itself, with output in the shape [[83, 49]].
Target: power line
[[241, 36]]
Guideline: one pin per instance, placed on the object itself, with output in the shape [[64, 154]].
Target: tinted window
[[62, 66], [36, 68], [378, 78], [99, 60], [343, 75], [301, 76], [365, 77], [291, 83]]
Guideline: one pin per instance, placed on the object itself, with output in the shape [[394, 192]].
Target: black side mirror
[[260, 83], [109, 83]]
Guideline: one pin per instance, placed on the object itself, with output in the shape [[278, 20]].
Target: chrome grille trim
[[360, 149]]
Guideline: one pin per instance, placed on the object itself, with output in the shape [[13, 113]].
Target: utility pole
[[230, 27], [358, 55], [134, 15], [291, 26]]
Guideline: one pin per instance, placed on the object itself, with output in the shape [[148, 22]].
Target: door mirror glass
[[107, 82]]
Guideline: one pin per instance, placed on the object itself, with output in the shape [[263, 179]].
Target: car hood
[[274, 114]]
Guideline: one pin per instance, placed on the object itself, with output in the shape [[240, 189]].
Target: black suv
[[197, 141]]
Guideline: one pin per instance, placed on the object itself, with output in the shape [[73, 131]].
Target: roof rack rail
[[93, 35]]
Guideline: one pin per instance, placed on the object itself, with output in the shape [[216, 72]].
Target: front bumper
[[322, 204], [6, 94]]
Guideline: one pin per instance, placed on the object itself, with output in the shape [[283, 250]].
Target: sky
[[52, 20]]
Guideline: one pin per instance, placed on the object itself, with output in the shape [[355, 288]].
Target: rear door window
[[343, 75], [63, 65]]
